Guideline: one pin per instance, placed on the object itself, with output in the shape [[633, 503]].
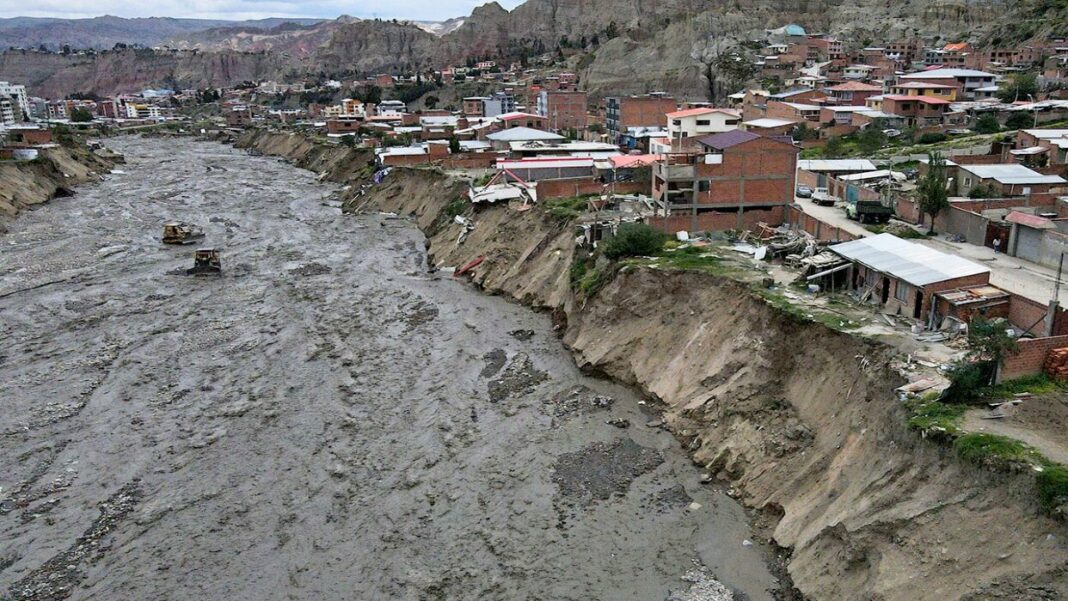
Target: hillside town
[[835, 143], [912, 190]]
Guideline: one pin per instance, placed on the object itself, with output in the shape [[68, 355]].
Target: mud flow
[[325, 419]]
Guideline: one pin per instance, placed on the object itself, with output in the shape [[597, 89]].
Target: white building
[[17, 93], [7, 111], [701, 122], [391, 107]]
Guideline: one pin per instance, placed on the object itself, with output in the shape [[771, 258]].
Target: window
[[704, 185], [702, 122], [901, 292]]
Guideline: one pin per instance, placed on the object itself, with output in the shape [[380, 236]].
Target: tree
[[987, 124], [454, 145], [802, 132], [370, 95], [1018, 87], [834, 147], [81, 115], [1020, 120], [933, 196], [989, 341], [431, 101], [870, 140]]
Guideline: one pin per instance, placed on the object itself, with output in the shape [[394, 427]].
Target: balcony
[[675, 172]]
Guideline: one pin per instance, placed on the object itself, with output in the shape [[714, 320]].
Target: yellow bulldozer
[[178, 232], [206, 261]]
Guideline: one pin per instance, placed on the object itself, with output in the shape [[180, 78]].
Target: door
[[886, 290], [918, 308]]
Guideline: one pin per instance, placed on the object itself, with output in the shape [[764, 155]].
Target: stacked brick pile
[[1056, 365]]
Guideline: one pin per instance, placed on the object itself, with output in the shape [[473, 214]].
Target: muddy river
[[325, 420]]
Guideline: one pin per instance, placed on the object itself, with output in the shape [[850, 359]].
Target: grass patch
[[567, 209], [934, 418], [996, 451], [1036, 384], [830, 319], [1052, 485], [586, 278]]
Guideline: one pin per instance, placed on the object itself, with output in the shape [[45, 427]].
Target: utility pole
[[1051, 313]]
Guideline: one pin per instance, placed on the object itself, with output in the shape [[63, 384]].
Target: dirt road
[[326, 420]]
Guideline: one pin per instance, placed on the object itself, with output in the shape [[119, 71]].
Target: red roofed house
[[511, 120], [917, 111], [694, 122], [853, 93], [738, 178], [923, 88]]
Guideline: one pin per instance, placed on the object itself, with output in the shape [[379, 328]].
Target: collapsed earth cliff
[[800, 421], [53, 173]]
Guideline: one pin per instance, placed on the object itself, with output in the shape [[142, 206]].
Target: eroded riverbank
[[326, 420], [802, 421]]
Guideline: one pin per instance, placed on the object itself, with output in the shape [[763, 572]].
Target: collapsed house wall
[[801, 421]]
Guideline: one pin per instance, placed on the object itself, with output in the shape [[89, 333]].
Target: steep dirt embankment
[[54, 172], [799, 420]]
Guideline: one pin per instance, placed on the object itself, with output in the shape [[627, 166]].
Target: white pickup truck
[[822, 198]]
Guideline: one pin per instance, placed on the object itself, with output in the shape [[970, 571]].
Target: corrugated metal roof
[[520, 134], [856, 165], [1029, 220], [913, 263], [727, 139], [947, 73], [1012, 174]]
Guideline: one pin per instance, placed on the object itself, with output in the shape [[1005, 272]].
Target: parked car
[[959, 132], [804, 192], [891, 133]]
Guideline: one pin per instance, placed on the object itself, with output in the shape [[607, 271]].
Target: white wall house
[[702, 122]]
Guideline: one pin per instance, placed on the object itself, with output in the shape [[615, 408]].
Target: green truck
[[869, 211]]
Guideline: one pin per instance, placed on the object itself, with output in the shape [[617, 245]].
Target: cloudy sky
[[245, 9]]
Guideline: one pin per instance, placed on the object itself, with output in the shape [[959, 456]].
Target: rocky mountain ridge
[[106, 31], [640, 45]]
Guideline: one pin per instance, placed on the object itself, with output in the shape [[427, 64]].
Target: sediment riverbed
[[328, 419]]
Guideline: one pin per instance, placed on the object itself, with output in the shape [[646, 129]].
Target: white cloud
[[246, 9]]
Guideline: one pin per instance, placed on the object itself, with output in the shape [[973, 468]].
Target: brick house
[[527, 120], [916, 111], [563, 109], [736, 173], [625, 112], [967, 81], [905, 276], [922, 88], [1051, 142], [1008, 180], [853, 93]]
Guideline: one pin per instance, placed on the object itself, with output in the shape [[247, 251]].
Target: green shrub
[[987, 124], [456, 207], [967, 380], [567, 208], [633, 240], [932, 138], [1052, 485]]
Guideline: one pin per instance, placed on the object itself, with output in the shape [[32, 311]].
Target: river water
[[325, 420]]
